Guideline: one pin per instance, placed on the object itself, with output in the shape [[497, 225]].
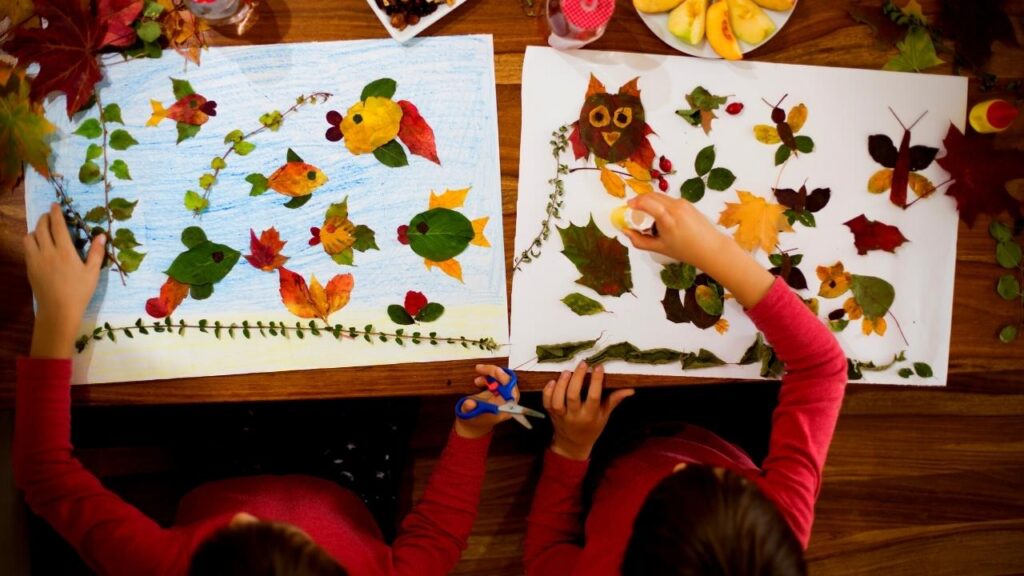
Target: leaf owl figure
[[614, 129]]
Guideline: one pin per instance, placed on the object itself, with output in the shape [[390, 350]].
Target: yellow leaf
[[766, 134], [478, 232], [613, 183], [722, 326], [17, 10], [450, 199], [637, 171], [797, 116], [450, 267], [812, 305], [921, 185], [876, 325], [853, 310], [639, 186], [834, 280], [880, 181], [758, 221]]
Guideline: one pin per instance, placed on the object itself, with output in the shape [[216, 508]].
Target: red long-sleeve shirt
[[802, 426], [115, 538]]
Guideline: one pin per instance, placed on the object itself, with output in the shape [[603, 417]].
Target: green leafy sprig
[[707, 175], [1008, 255], [249, 330], [240, 143], [559, 144]]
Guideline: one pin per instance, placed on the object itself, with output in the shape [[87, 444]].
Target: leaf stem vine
[[559, 144], [106, 185], [271, 329]]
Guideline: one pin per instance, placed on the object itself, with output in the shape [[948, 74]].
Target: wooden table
[[820, 32]]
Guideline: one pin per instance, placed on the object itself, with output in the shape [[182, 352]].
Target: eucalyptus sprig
[[1008, 255], [240, 143], [559, 144], [273, 328]]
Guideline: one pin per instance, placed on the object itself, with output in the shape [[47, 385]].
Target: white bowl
[[658, 23]]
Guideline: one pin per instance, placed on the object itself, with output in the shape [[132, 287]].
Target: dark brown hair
[[262, 549], [704, 521]]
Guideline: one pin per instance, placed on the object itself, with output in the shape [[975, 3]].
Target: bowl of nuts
[[404, 19]]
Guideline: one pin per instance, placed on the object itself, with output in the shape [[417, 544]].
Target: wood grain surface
[[819, 32]]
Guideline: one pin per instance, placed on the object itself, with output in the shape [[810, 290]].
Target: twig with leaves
[[559, 144], [1008, 255]]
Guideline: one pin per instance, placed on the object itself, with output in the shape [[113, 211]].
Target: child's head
[[701, 520], [253, 548]]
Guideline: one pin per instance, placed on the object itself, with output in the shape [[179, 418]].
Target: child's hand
[[578, 423], [684, 233], [483, 424], [61, 283]]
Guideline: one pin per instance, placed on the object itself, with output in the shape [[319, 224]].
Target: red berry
[[403, 234], [655, 174], [734, 108], [665, 164], [663, 185]]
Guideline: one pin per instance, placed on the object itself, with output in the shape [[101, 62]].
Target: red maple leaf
[[266, 251], [980, 174], [414, 302], [578, 149], [874, 235], [414, 131], [65, 51], [117, 16]]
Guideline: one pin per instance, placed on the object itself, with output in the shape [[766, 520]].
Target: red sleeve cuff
[[38, 376], [469, 447], [570, 471]]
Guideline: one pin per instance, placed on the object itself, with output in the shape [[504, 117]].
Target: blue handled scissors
[[511, 406]]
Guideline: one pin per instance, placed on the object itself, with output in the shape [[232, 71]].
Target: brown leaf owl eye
[[599, 117], [623, 116]]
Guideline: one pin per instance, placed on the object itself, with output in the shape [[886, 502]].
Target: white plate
[[658, 23], [410, 32]]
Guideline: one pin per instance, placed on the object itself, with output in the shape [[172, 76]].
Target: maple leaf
[[184, 32], [874, 235], [759, 221], [917, 52], [117, 16], [980, 174], [416, 134], [23, 130], [266, 251], [65, 51], [602, 261], [314, 301]]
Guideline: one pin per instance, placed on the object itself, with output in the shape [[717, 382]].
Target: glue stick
[[992, 116], [625, 217]]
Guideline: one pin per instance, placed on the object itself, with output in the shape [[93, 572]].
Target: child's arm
[[554, 528], [434, 533], [815, 378], [111, 536]]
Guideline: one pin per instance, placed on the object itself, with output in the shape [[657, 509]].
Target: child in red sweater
[[260, 525], [693, 503]]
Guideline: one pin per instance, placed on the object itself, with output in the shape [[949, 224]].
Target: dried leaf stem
[[559, 144]]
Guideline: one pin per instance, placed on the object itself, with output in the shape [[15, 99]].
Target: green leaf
[[89, 173], [382, 87], [259, 183], [206, 180], [186, 131], [192, 236], [271, 120], [619, 351], [1008, 334], [439, 234], [124, 239], [121, 140], [432, 311], [760, 351], [152, 49], [917, 52], [782, 154], [720, 179], [1008, 287], [204, 263], [704, 100], [121, 209], [1008, 254], [923, 370], [97, 214], [391, 154], [195, 202], [234, 137], [120, 169], [112, 113], [705, 160], [152, 9], [709, 300], [1001, 232], [692, 116], [692, 189], [90, 129], [678, 275], [181, 88], [702, 359], [365, 239], [244, 147], [775, 259], [562, 351], [298, 201], [345, 258], [804, 144], [149, 31], [838, 325], [582, 305], [129, 259], [291, 156], [802, 216], [905, 373], [872, 294], [93, 152], [602, 261], [218, 163]]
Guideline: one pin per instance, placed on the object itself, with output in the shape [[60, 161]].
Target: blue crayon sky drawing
[[449, 79]]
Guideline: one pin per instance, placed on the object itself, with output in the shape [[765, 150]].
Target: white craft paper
[[450, 80], [845, 107]]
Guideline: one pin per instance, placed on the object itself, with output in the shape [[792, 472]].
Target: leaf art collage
[[266, 219], [837, 180]]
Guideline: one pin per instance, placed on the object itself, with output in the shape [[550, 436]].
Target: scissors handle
[[482, 407], [505, 390]]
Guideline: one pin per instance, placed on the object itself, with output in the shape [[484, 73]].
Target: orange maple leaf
[[759, 221], [314, 301], [266, 251]]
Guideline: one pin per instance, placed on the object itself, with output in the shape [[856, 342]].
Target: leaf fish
[[192, 109], [440, 234], [193, 273], [296, 178]]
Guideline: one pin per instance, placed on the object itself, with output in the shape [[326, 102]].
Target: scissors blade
[[522, 420]]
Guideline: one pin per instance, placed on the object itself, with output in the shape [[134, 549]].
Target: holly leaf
[[23, 132], [562, 351], [117, 16], [65, 51], [416, 134], [602, 261], [980, 174], [266, 250], [582, 305], [917, 52], [314, 301], [758, 221], [874, 235]]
